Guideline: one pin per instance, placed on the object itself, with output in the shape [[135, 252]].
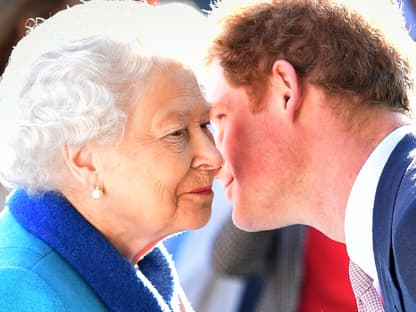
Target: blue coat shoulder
[[26, 264]]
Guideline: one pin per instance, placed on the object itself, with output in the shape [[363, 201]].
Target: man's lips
[[228, 182], [202, 190]]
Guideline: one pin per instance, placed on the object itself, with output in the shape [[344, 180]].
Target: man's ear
[[285, 81], [80, 162]]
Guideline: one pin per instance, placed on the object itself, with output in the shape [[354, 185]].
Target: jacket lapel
[[383, 214]]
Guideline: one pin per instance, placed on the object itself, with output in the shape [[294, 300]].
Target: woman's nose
[[207, 156]]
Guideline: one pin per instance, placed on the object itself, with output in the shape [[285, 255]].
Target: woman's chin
[[199, 221]]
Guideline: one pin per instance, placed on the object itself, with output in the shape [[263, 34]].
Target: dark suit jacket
[[394, 228]]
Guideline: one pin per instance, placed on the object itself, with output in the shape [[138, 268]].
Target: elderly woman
[[108, 152]]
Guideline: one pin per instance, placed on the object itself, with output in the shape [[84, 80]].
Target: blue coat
[[394, 228], [52, 259]]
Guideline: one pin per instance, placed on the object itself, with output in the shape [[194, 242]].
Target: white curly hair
[[69, 79]]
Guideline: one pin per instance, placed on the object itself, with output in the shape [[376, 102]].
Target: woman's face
[[158, 180]]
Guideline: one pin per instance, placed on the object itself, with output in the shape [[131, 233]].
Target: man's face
[[255, 151]]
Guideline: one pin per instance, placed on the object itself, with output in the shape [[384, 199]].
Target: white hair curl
[[68, 80]]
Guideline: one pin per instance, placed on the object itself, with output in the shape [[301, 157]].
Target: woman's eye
[[206, 125], [178, 133], [209, 126]]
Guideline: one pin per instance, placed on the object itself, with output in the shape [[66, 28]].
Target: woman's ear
[[286, 85], [80, 163]]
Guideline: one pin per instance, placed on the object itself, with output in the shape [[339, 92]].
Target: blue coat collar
[[53, 219]]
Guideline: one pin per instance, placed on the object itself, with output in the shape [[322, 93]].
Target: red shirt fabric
[[326, 285]]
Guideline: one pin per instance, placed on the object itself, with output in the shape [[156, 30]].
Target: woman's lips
[[207, 190]]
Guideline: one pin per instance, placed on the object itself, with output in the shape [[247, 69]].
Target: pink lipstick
[[202, 190]]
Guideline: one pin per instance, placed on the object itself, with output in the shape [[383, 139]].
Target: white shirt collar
[[359, 211]]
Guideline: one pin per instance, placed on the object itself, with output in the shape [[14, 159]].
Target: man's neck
[[340, 153]]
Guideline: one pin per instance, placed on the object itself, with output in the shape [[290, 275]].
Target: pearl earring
[[97, 193]]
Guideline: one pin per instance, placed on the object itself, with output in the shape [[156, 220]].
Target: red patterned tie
[[364, 290]]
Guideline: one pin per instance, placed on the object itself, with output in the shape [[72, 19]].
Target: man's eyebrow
[[219, 105]]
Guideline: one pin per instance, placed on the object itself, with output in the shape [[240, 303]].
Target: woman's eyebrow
[[169, 116]]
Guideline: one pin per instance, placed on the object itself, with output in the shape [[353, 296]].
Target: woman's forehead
[[175, 85], [171, 94]]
